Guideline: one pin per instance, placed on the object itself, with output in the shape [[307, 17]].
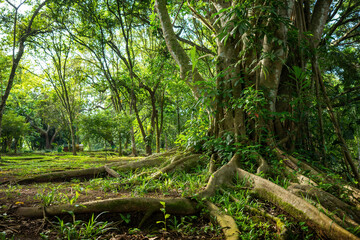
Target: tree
[[65, 76], [252, 44], [14, 127], [18, 43], [254, 68]]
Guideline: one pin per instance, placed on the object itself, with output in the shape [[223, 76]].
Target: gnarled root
[[346, 213], [226, 222], [176, 206], [178, 163], [296, 207], [259, 212], [316, 175], [263, 165]]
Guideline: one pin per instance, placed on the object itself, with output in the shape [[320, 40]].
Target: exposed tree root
[[176, 206], [164, 154], [316, 175], [263, 165], [63, 176], [212, 164], [296, 207], [354, 195], [298, 177], [178, 163], [224, 176], [345, 212], [226, 222], [259, 212], [111, 172]]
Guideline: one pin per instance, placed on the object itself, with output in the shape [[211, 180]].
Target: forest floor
[[117, 226], [128, 185]]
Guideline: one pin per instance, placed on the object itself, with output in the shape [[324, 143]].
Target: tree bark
[[72, 133], [146, 140]]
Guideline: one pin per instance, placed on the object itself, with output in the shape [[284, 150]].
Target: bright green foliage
[[166, 216], [195, 131], [99, 126], [78, 229], [14, 126]]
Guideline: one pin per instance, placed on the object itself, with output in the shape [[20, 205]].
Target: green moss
[[34, 164]]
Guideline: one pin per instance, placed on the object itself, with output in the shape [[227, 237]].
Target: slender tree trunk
[[158, 134], [54, 136], [133, 143], [159, 125], [17, 58], [72, 132], [15, 64], [344, 146], [126, 142], [120, 144], [9, 143], [132, 136], [358, 148], [4, 145], [166, 142], [178, 119], [16, 144], [47, 140], [320, 119], [142, 130]]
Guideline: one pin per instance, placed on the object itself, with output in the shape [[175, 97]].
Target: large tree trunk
[[244, 62]]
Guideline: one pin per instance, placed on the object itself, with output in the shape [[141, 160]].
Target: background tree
[[19, 37], [65, 76], [14, 127]]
